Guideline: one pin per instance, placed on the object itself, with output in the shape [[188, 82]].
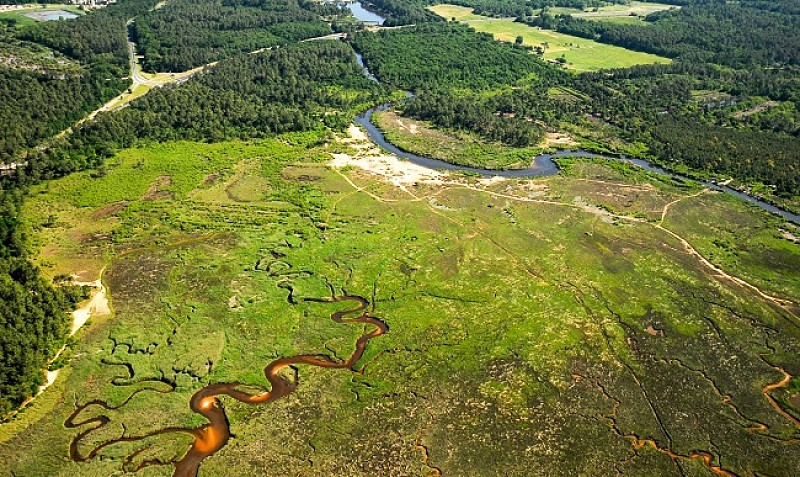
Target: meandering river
[[211, 437], [541, 165]]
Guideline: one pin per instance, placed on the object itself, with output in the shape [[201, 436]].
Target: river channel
[[541, 165]]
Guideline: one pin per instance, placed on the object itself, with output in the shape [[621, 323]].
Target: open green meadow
[[555, 326], [580, 54], [631, 13]]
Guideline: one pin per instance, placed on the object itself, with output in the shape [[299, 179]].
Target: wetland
[[208, 287]]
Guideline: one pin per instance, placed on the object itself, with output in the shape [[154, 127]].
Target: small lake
[[51, 15], [365, 15]]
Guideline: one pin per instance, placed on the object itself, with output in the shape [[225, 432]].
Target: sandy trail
[[97, 305]]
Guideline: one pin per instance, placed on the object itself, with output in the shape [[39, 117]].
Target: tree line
[[657, 106], [188, 33], [301, 87], [296, 88], [737, 34], [451, 111], [451, 55]]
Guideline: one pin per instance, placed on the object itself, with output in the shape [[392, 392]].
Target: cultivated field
[[580, 54], [570, 325]]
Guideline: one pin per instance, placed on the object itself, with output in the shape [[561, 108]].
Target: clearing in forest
[[632, 13], [579, 54]]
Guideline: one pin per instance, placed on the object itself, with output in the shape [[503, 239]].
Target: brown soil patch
[[109, 210], [156, 190], [795, 400], [210, 179], [756, 109], [651, 330], [301, 174], [94, 238]]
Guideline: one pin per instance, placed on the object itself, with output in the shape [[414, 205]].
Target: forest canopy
[[184, 34]]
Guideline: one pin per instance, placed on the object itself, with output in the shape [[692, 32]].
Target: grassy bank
[[455, 147]]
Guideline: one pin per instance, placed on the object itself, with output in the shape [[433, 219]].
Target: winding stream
[[543, 164], [211, 437]]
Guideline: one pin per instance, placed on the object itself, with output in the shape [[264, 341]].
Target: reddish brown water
[[213, 436], [766, 390]]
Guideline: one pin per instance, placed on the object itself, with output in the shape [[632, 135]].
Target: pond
[[51, 15], [366, 16]]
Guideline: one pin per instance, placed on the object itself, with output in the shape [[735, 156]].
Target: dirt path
[[97, 305], [679, 199], [401, 173]]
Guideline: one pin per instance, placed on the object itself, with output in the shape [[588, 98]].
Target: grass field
[[628, 14], [556, 326], [580, 54]]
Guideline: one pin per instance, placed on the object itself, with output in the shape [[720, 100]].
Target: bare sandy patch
[[109, 210], [156, 190], [795, 400], [411, 128], [97, 305], [554, 139], [391, 168], [584, 205]]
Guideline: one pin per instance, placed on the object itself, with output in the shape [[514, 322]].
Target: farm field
[[566, 324], [580, 54]]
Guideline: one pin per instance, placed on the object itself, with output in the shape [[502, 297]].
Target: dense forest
[[188, 33], [451, 111], [404, 12], [685, 115], [37, 102], [446, 55], [34, 315], [737, 34], [296, 88]]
